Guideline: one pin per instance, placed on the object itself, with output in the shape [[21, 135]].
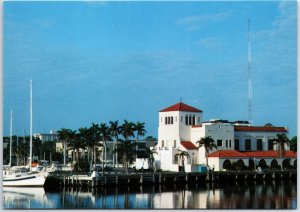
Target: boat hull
[[34, 180]]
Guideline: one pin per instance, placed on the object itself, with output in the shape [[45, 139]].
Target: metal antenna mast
[[249, 77]]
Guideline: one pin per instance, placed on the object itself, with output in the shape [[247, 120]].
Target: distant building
[[181, 126], [52, 136]]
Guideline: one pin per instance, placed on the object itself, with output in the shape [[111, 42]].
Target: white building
[[181, 126], [52, 136]]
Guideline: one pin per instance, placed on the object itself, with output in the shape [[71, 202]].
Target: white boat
[[21, 176]]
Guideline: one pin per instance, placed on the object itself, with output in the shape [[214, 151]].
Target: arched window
[[286, 163], [251, 164], [227, 164], [240, 164], [262, 163], [274, 164]]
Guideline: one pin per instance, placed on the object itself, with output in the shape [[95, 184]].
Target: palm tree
[[208, 143], [104, 136], [281, 140], [140, 131], [127, 151], [149, 154], [64, 135], [182, 154], [127, 130], [78, 142], [94, 138], [293, 144], [115, 130]]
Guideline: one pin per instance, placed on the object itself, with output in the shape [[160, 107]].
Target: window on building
[[162, 143], [174, 143], [226, 143], [259, 145], [194, 120], [166, 120], [219, 143], [172, 120], [236, 144], [229, 143], [248, 144], [190, 119], [270, 144], [169, 121], [186, 120]]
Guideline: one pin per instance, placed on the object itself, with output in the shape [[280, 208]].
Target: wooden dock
[[121, 179]]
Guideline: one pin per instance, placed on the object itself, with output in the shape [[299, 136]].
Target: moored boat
[[21, 177]]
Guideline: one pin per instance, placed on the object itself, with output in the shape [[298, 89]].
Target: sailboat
[[22, 176]]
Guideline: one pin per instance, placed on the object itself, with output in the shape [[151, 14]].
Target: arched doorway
[[262, 163], [251, 164], [227, 164], [274, 164], [286, 163], [240, 164]]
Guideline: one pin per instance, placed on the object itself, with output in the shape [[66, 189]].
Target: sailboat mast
[[30, 164], [10, 140]]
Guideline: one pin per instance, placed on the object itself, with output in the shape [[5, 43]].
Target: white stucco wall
[[265, 136]]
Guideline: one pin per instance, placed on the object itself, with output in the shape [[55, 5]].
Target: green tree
[[208, 143], [127, 151], [127, 130], [104, 136], [281, 141], [149, 153], [139, 128], [94, 138], [181, 155], [77, 143], [293, 144], [115, 130], [65, 136]]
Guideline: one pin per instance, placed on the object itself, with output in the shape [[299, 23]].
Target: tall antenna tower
[[249, 77]]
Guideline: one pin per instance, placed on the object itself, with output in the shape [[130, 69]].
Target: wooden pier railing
[[116, 179]]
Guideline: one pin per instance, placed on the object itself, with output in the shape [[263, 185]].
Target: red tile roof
[[181, 107], [228, 154], [260, 129], [271, 154], [188, 145], [258, 154]]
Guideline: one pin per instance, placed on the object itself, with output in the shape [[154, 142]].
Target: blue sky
[[101, 61]]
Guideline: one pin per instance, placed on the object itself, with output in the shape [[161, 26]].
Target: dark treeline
[[90, 140]]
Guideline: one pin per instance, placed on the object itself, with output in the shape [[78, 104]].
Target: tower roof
[[181, 107]]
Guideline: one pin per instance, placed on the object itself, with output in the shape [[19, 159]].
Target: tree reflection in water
[[255, 195]]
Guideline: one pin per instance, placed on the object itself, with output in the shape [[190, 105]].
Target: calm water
[[237, 195]]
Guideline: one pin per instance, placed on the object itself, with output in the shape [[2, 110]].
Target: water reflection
[[236, 196]]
